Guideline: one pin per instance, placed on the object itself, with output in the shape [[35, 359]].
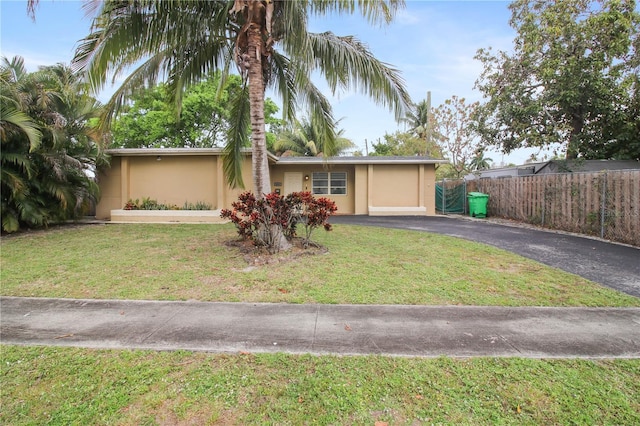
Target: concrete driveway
[[613, 265]]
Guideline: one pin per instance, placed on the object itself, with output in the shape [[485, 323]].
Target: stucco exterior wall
[[430, 189], [110, 189], [395, 186], [362, 189], [345, 203], [173, 179], [376, 186], [169, 180]]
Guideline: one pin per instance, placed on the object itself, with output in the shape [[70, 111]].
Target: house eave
[[175, 152], [358, 160]]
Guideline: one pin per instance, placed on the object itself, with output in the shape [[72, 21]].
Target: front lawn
[[55, 385], [363, 265], [62, 386]]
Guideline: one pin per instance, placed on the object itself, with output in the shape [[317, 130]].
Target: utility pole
[[428, 139]]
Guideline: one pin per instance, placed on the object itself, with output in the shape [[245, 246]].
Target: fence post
[[544, 200], [464, 198], [444, 196], [603, 196]]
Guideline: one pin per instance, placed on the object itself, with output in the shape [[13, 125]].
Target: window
[[326, 183]]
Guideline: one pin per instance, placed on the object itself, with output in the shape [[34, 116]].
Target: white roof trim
[[147, 152]]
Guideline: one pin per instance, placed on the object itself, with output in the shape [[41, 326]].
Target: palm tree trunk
[[259, 158], [261, 178]]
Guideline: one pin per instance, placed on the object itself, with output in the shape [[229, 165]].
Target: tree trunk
[[577, 124], [261, 178], [259, 158]]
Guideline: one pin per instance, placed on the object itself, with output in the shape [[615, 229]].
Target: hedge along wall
[[605, 204]]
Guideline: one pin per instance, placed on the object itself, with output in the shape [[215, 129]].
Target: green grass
[[61, 386], [363, 266]]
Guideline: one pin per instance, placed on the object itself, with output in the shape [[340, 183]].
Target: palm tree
[[47, 146], [479, 161], [305, 140], [182, 41], [422, 124], [418, 119]]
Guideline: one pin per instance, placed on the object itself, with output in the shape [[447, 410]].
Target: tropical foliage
[[263, 221], [420, 139], [150, 119], [420, 119], [572, 79], [268, 40], [405, 144], [480, 161], [305, 139], [50, 146]]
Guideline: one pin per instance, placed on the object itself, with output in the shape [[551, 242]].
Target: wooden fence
[[604, 204]]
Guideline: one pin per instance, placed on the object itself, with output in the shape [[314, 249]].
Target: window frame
[[328, 186]]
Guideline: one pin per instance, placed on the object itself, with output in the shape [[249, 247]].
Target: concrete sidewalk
[[429, 331]]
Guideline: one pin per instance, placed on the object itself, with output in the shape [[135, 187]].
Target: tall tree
[[422, 125], [405, 144], [572, 78], [49, 145], [149, 119], [455, 132], [304, 139], [269, 42]]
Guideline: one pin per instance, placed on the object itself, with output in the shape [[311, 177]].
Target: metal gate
[[451, 196]]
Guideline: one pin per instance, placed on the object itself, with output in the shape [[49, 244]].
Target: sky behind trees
[[431, 42]]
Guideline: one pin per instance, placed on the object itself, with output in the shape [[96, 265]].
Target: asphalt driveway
[[613, 265]]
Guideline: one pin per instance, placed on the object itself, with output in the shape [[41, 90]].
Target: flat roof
[[140, 152], [361, 160]]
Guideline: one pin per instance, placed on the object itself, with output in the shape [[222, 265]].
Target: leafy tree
[[49, 146], [150, 120], [455, 133], [268, 41], [304, 139], [572, 78], [404, 144]]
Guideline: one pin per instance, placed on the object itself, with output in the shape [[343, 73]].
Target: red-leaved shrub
[[266, 220]]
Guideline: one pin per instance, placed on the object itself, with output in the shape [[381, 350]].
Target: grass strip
[[55, 385], [364, 265]]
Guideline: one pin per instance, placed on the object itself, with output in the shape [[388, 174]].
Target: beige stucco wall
[[173, 179], [401, 189], [170, 180], [395, 185], [382, 189], [110, 189], [345, 203], [362, 189], [430, 188]]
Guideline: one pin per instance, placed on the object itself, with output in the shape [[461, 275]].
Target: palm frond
[[237, 138], [347, 63], [21, 122]]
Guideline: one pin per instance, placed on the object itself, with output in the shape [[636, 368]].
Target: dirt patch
[[258, 256]]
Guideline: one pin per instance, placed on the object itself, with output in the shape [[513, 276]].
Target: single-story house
[[358, 185]]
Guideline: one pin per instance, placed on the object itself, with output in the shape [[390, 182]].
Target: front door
[[292, 182]]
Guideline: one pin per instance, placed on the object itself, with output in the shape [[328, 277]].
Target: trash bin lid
[[477, 194]]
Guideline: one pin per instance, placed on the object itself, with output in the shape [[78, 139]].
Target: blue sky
[[431, 42]]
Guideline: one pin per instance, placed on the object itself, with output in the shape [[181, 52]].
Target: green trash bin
[[478, 204]]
